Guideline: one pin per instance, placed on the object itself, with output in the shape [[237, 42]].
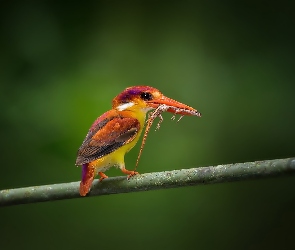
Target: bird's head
[[146, 98]]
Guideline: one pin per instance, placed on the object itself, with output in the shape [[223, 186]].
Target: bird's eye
[[146, 96]]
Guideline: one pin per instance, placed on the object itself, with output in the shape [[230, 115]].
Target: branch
[[152, 181]]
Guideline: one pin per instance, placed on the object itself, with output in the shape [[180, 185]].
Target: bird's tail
[[87, 178]]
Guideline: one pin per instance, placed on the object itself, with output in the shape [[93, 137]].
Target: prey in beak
[[164, 104]]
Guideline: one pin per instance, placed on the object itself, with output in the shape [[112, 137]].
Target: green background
[[62, 62]]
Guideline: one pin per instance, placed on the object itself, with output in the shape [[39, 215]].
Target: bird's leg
[[87, 178], [102, 176], [125, 171]]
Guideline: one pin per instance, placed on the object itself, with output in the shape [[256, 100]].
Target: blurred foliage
[[61, 64]]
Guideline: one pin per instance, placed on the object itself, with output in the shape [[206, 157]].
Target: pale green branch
[[152, 181]]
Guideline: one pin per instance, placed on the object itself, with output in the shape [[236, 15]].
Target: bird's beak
[[173, 106]]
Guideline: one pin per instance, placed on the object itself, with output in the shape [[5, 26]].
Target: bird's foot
[[102, 176], [130, 173]]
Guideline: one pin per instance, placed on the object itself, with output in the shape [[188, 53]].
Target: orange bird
[[117, 131]]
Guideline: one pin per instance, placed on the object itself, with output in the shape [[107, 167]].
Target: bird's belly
[[115, 158]]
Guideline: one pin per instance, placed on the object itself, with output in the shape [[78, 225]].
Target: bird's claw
[[132, 174], [102, 176]]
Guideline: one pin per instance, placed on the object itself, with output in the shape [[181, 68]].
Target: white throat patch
[[124, 106]]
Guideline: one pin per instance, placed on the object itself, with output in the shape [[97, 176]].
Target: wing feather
[[106, 135]]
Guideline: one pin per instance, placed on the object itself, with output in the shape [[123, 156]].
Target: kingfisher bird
[[117, 131]]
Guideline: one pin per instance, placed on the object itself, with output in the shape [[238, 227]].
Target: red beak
[[174, 106]]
